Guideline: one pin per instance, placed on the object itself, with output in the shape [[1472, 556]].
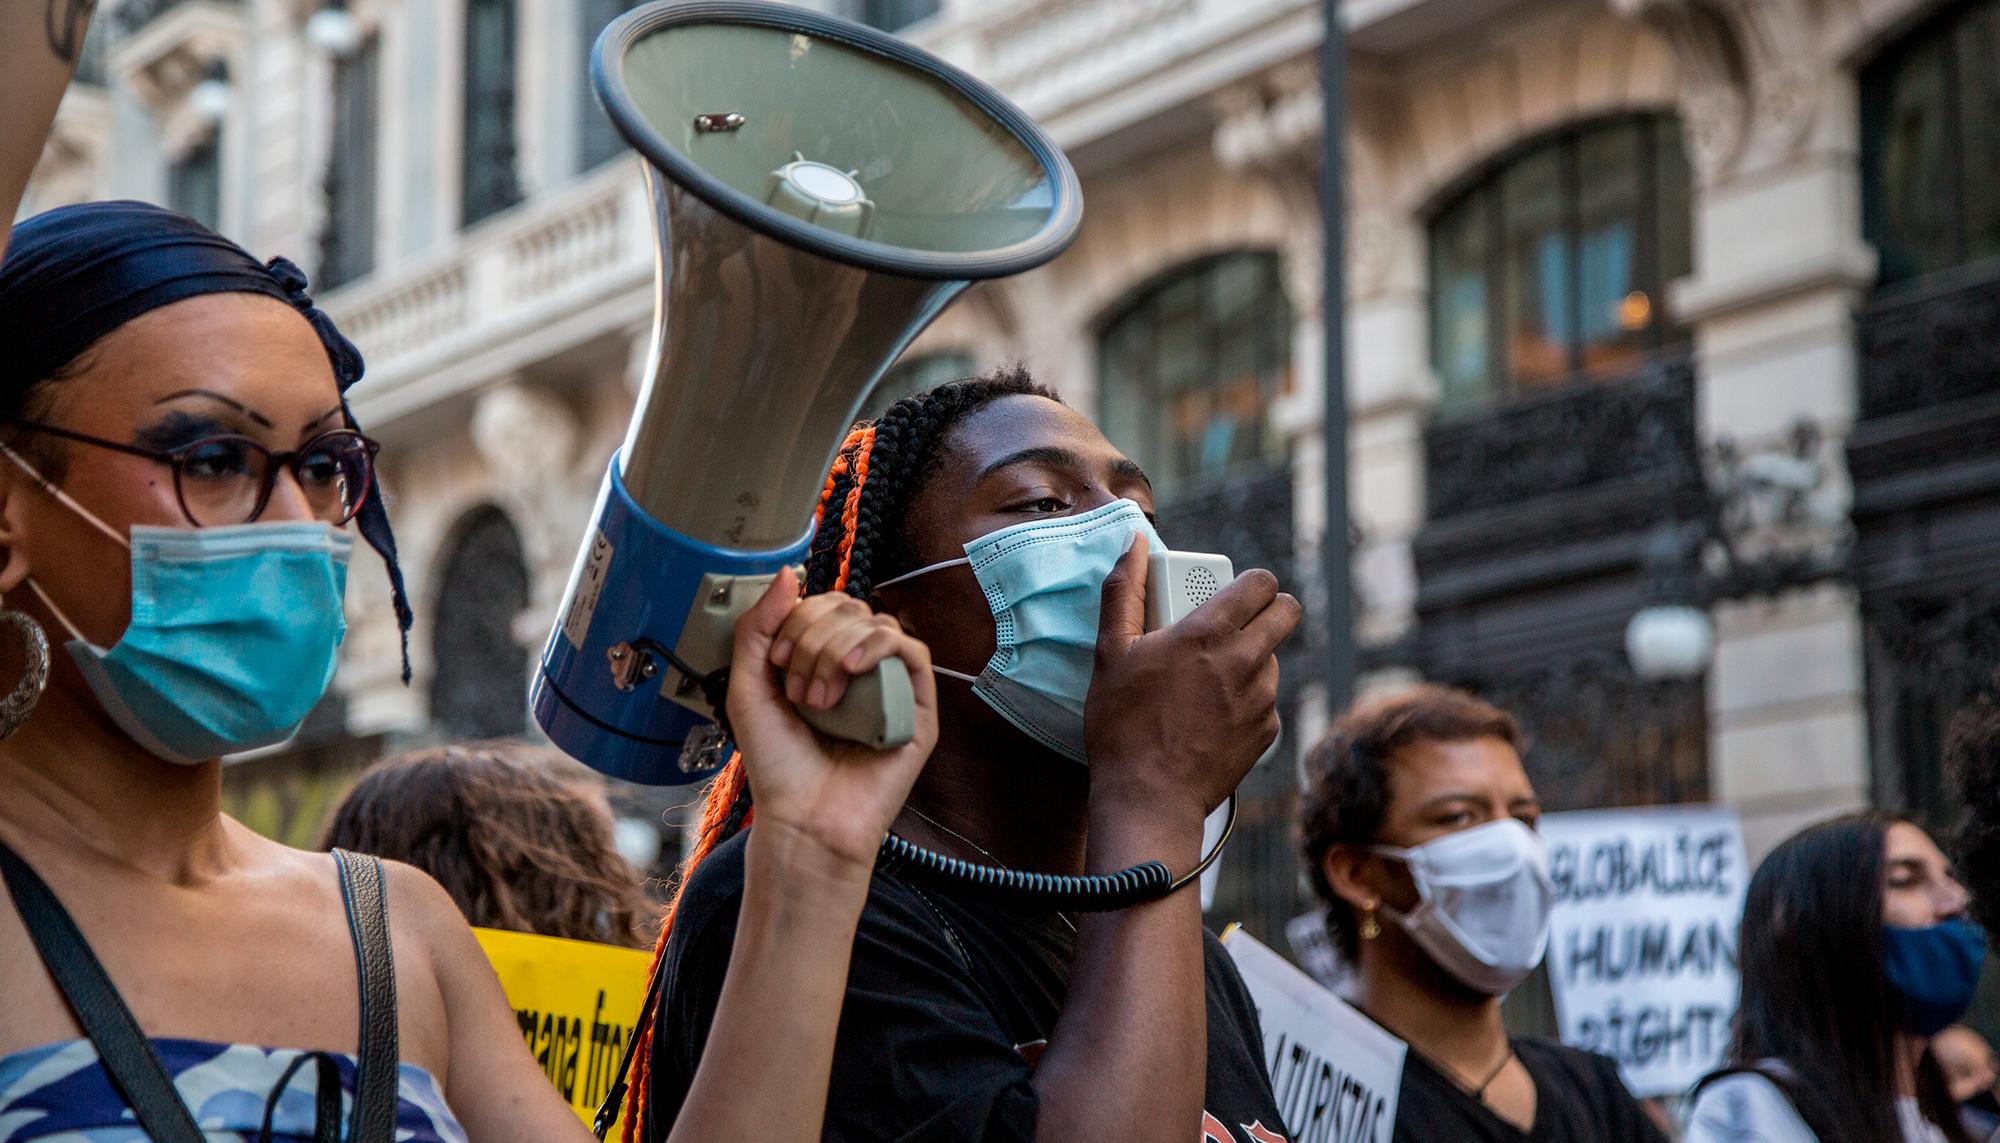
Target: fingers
[[1122, 614], [851, 649], [755, 631], [826, 641], [1240, 601], [1275, 624]]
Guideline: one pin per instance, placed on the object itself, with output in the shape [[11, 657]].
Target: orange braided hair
[[729, 788]]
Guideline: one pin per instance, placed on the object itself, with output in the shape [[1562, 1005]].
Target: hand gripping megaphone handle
[[879, 709]]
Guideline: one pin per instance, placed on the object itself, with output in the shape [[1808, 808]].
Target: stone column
[[1780, 266]]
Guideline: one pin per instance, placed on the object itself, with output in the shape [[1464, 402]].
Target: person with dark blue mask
[[180, 476], [1855, 952]]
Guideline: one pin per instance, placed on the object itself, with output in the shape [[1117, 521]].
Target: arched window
[[480, 686], [1190, 367], [488, 182], [1930, 145], [1553, 265]]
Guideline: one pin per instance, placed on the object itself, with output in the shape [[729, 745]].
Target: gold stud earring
[[1370, 929]]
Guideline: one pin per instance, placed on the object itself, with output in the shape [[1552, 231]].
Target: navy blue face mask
[[1933, 971]]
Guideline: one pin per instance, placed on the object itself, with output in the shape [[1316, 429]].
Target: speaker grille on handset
[[1200, 585]]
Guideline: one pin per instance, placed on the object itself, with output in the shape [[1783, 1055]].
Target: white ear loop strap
[[947, 672], [88, 517], [64, 498], [922, 571]]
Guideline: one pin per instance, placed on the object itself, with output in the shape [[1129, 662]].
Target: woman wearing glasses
[[179, 478]]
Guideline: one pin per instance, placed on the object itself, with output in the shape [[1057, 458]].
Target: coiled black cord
[[1095, 893]]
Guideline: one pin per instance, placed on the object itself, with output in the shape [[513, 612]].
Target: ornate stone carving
[[1751, 75], [526, 434]]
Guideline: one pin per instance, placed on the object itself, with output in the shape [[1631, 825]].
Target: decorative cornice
[[1751, 71]]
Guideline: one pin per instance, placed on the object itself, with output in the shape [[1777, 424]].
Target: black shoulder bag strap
[[122, 1048], [378, 1063]]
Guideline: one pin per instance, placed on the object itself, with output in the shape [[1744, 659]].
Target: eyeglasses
[[227, 479]]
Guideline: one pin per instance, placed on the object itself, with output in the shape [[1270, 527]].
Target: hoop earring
[[20, 703], [1370, 928]]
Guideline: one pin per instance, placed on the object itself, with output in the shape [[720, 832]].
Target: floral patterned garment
[[59, 1093]]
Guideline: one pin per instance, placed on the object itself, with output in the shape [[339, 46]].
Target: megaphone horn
[[821, 192]]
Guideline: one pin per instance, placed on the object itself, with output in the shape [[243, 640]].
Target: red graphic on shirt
[[1212, 1131]]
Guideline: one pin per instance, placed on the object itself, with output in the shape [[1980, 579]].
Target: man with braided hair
[[966, 1020]]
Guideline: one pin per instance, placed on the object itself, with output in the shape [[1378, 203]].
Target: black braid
[[907, 447], [739, 808]]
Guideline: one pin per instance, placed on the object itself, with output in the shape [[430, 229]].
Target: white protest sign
[[1642, 943], [1335, 1072]]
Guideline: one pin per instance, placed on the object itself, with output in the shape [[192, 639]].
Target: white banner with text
[[1642, 943], [1335, 1072]]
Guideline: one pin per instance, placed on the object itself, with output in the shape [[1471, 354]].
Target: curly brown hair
[[519, 835], [1972, 763], [1347, 791]]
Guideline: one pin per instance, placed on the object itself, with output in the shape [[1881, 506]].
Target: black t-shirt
[[1578, 1099], [944, 997]]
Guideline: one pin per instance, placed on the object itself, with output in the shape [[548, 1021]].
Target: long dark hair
[[859, 540], [1814, 993]]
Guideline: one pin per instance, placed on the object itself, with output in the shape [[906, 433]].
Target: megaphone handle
[[879, 709]]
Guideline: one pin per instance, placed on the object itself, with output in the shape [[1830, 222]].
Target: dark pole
[[1336, 559]]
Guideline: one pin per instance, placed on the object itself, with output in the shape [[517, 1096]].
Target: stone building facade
[[1648, 301]]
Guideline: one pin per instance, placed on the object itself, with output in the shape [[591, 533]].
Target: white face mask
[[1485, 900]]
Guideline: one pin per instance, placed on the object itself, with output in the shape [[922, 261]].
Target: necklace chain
[[983, 852]]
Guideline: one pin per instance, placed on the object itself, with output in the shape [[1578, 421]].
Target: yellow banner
[[577, 1003]]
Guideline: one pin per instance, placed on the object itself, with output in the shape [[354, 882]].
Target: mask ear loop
[[88, 517], [940, 566], [65, 499]]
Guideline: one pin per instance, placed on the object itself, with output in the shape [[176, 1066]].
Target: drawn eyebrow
[[218, 397], [324, 417]]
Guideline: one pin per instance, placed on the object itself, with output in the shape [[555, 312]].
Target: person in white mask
[[1418, 831]]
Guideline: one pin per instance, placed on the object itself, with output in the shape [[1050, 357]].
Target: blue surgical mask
[[233, 637], [1933, 971], [1044, 581]]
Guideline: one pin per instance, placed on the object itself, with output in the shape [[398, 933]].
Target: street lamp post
[[1336, 559]]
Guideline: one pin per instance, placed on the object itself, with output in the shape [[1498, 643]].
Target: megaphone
[[821, 192]]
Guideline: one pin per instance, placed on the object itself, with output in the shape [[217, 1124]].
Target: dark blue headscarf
[[75, 273]]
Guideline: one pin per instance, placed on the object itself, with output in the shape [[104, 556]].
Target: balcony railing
[[558, 258], [1053, 55], [1588, 435], [1931, 342]]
